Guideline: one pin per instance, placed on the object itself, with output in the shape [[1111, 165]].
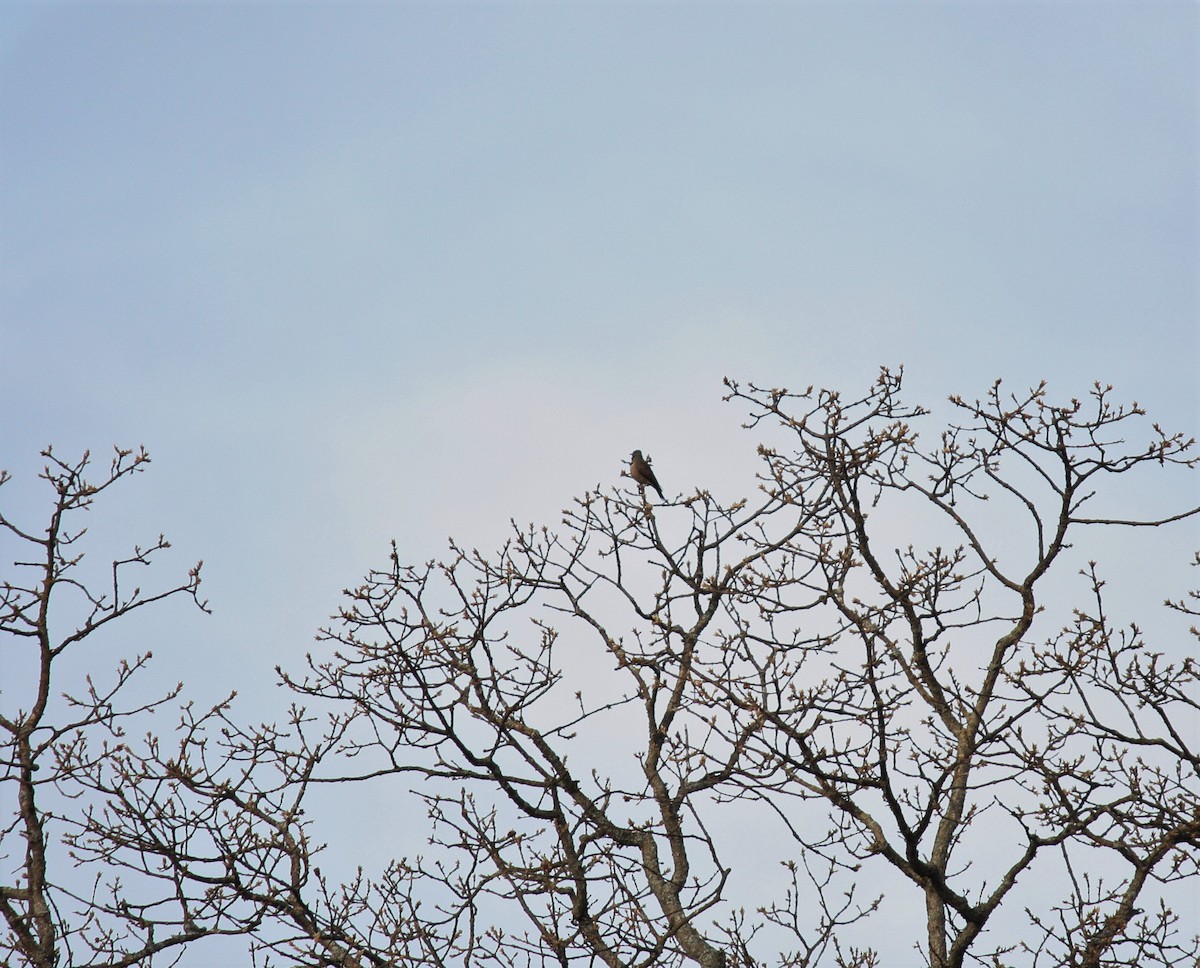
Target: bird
[[640, 471]]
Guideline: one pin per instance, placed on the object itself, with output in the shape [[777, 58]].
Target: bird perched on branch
[[640, 471]]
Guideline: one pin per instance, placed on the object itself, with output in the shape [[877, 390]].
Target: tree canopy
[[689, 732]]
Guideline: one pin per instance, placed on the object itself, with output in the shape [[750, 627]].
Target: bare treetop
[[890, 665]]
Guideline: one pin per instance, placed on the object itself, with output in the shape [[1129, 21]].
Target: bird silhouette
[[640, 471]]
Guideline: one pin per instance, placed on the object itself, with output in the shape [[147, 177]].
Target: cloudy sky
[[355, 272]]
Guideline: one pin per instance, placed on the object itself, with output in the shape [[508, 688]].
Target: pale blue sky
[[362, 271]]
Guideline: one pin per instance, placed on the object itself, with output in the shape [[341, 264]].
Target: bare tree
[[125, 849], [684, 734], [861, 657], [48, 613], [958, 717]]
